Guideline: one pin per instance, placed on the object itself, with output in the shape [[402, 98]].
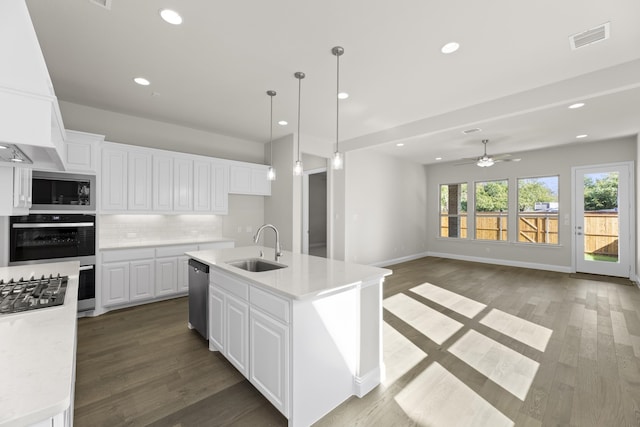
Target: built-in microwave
[[63, 191]]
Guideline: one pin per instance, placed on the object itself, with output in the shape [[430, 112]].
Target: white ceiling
[[514, 75]]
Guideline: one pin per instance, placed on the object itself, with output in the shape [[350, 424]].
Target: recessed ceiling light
[[283, 122], [171, 16], [142, 81], [438, 158], [343, 95], [450, 47], [576, 105], [16, 159], [582, 136], [399, 144]]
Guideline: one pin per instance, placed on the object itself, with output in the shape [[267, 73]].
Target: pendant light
[[271, 174], [297, 168], [338, 161]]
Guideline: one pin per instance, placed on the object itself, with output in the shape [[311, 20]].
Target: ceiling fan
[[485, 160]]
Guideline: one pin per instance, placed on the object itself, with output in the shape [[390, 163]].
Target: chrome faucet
[[277, 248]]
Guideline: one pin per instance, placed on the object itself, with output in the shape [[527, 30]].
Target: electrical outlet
[[249, 229], [132, 235], [239, 229]]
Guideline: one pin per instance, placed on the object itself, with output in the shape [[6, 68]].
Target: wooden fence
[[600, 229]]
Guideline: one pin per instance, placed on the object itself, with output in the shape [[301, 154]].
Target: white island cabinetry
[[307, 336]]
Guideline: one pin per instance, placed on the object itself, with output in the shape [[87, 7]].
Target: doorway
[[314, 212], [602, 223]]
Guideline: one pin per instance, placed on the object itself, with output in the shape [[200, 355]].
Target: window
[[538, 210], [492, 210], [453, 210]]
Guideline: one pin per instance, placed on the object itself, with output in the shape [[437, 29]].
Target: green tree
[[532, 192], [601, 192], [492, 196]]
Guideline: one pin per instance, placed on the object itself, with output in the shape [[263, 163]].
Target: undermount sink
[[256, 265]]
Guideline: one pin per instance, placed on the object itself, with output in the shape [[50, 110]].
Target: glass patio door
[[602, 220]]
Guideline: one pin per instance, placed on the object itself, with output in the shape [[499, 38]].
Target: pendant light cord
[[299, 98], [271, 133], [337, 101]]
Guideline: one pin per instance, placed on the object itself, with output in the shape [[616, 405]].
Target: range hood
[[30, 117]]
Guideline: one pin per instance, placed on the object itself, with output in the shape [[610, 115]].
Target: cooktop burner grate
[[23, 295]]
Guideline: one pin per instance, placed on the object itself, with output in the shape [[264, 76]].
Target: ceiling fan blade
[[501, 156], [506, 160], [471, 162]]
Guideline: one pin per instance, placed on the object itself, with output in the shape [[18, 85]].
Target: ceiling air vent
[[102, 3], [591, 36], [474, 130]]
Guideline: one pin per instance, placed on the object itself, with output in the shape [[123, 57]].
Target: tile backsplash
[[116, 230], [246, 214]]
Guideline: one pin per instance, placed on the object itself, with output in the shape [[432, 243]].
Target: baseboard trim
[[509, 263], [389, 262], [363, 385]]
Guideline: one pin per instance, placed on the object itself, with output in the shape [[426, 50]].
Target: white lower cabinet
[[250, 328], [166, 276], [237, 333], [115, 283], [141, 284], [183, 273], [269, 358], [131, 276]]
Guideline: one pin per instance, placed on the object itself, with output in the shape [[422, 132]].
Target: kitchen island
[[307, 336], [38, 354]]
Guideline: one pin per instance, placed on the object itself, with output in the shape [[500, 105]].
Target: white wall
[[637, 194], [385, 208], [278, 208], [152, 133], [555, 161]]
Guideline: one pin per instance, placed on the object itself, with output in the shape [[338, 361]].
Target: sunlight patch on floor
[[400, 354], [458, 303], [526, 332], [505, 367], [436, 398], [433, 324]]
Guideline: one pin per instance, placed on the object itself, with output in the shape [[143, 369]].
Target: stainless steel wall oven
[[41, 238]]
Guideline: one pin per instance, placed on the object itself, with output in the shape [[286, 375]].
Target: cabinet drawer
[[229, 284], [168, 251], [128, 255], [274, 305]]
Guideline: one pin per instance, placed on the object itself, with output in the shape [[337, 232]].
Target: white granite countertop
[[37, 352], [130, 244], [304, 277]]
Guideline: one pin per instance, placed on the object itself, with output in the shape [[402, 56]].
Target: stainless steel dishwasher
[[198, 297]]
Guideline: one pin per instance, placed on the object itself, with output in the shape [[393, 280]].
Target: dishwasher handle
[[198, 266]]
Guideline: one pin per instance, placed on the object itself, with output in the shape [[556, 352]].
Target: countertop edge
[[220, 266], [163, 244]]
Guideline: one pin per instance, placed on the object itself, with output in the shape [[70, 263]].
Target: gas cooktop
[[23, 295]]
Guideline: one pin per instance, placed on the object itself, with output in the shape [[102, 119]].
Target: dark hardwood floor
[[142, 366]]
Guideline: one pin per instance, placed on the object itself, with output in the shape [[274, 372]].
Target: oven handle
[[86, 267], [55, 225]]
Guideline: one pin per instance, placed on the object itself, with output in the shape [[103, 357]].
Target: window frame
[[547, 226], [500, 215], [459, 215]]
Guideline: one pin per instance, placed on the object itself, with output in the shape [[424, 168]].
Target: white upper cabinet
[[114, 178], [219, 188], [81, 151], [183, 184], [139, 177], [162, 183], [15, 192], [202, 186], [146, 180], [248, 178]]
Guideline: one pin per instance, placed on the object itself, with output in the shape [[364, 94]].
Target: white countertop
[[130, 244], [37, 352], [304, 277]]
